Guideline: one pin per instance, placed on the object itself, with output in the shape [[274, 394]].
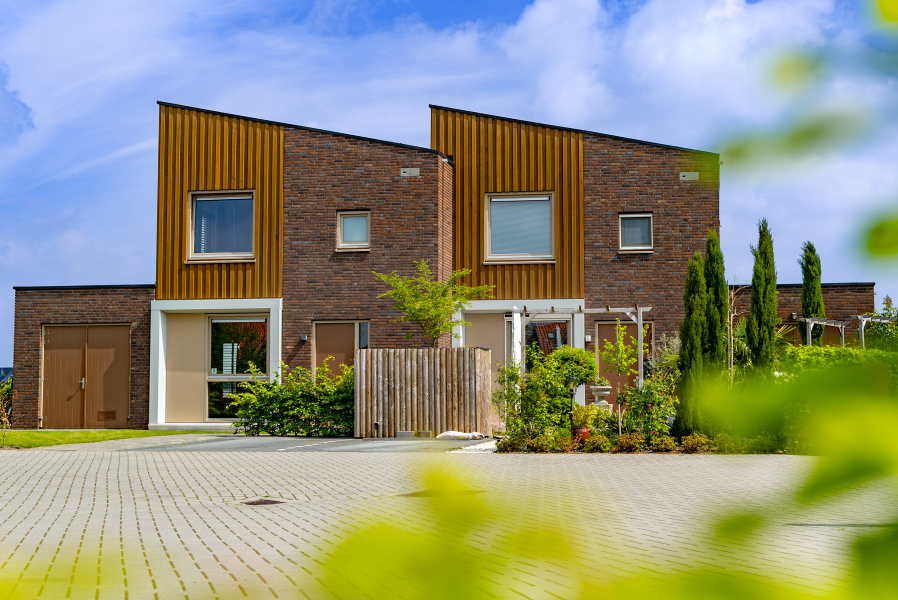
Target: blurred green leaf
[[735, 528], [795, 70], [874, 574], [882, 237], [889, 9]]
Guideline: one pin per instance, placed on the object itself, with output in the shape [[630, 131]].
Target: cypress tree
[[718, 303], [811, 291], [692, 332], [762, 317]]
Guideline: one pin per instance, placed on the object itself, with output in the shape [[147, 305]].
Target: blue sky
[[79, 81]]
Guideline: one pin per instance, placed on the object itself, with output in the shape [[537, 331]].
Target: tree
[[619, 358], [811, 292], [762, 317], [429, 303], [692, 334], [718, 303], [883, 336]]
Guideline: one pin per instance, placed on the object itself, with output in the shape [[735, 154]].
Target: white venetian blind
[[521, 226]]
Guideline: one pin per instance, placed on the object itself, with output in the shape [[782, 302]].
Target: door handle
[[82, 383]]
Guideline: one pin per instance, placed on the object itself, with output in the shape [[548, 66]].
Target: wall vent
[[410, 172], [688, 175], [106, 415]]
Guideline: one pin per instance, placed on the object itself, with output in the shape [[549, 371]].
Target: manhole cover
[[262, 502]]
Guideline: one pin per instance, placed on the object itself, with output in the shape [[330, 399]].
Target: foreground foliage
[[300, 404]]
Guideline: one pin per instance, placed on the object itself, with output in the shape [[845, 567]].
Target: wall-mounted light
[[303, 338]]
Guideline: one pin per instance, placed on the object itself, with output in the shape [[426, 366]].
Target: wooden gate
[[434, 389], [87, 371]]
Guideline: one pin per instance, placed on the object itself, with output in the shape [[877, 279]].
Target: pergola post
[[639, 326], [517, 338], [809, 327], [863, 323]]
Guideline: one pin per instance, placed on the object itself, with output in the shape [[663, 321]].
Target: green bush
[[597, 443], [695, 443], [800, 359], [605, 422], [662, 443], [299, 405], [630, 442], [648, 410], [727, 444], [585, 416]]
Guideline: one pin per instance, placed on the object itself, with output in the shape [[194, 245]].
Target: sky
[[79, 81]]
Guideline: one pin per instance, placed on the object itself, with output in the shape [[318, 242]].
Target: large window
[[353, 231], [636, 233], [221, 226], [520, 228], [236, 343]]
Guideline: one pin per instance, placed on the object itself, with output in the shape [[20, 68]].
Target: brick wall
[[36, 307], [842, 302], [623, 176], [411, 219]]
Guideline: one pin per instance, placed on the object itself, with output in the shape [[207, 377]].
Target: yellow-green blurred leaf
[[889, 9], [882, 237], [735, 528], [795, 71]]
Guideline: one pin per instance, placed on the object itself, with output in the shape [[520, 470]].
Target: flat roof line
[[607, 135], [82, 287], [281, 124], [748, 285]]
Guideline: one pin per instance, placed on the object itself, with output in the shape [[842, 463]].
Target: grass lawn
[[34, 439]]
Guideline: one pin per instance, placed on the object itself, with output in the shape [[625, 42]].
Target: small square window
[[353, 231], [221, 227], [636, 233]]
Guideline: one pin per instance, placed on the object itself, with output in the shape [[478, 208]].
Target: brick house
[[268, 234]]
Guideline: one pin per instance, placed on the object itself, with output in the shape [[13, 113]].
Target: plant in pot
[[600, 390], [583, 417]]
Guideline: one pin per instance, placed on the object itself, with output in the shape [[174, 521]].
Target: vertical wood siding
[[200, 151], [433, 389], [494, 155]]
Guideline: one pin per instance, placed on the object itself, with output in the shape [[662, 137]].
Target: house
[[268, 234]]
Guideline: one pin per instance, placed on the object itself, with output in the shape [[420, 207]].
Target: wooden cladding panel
[[494, 155], [200, 151], [433, 389]]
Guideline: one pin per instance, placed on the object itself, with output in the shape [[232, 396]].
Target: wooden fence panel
[[433, 389]]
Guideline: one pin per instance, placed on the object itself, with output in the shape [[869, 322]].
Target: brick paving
[[104, 523]]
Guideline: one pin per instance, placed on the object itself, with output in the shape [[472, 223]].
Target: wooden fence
[[433, 389]]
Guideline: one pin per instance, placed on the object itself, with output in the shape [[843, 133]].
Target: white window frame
[[219, 257], [500, 259], [237, 377], [620, 233], [353, 246]]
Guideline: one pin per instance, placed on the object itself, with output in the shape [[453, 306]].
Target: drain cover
[[262, 502]]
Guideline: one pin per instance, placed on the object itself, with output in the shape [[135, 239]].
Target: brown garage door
[[86, 376]]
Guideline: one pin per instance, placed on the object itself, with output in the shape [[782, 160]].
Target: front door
[[86, 376]]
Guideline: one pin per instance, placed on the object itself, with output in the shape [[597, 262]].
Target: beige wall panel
[[488, 331], [185, 378], [200, 151], [496, 155]]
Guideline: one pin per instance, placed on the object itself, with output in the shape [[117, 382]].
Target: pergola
[[864, 319], [521, 317], [811, 321]]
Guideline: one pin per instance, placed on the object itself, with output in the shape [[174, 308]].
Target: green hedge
[[319, 406], [799, 359]]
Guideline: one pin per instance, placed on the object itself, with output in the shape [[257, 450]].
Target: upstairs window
[[636, 233], [353, 231], [221, 226], [520, 228]]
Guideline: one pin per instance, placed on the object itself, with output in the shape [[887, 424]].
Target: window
[[235, 343], [520, 228], [221, 227], [353, 231], [636, 233]]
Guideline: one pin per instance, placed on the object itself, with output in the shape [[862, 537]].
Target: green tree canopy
[[762, 318], [811, 291], [718, 302], [429, 303], [692, 334]]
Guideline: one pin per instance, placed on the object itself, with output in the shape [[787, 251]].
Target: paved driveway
[[170, 523]]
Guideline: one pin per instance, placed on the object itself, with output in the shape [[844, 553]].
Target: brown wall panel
[[495, 155], [201, 151]]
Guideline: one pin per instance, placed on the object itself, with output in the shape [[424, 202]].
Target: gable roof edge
[[583, 131]]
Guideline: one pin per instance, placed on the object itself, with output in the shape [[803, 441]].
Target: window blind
[[521, 226], [223, 226]]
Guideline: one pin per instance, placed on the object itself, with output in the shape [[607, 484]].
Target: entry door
[[64, 349], [336, 340], [86, 376]]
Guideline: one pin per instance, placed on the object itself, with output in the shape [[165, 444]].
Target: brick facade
[[411, 219], [621, 176], [842, 302], [37, 306]]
